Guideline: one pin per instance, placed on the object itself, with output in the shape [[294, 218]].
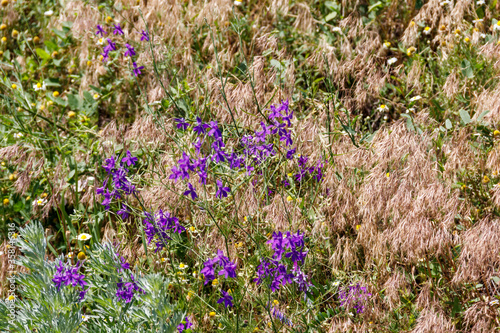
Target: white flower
[[416, 98], [18, 135], [445, 2], [183, 266], [96, 96], [392, 61], [48, 13], [483, 35], [480, 2], [100, 41], [39, 202], [40, 86], [107, 143], [497, 26], [494, 302], [427, 30], [383, 108], [84, 237], [85, 318], [477, 20], [337, 29], [238, 3]]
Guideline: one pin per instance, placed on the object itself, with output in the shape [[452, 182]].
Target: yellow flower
[[89, 62], [387, 44], [44, 195], [245, 218], [163, 259], [70, 255], [55, 93], [464, 187], [212, 314], [5, 202], [427, 30], [495, 173], [11, 297], [410, 50], [36, 39], [4, 39], [14, 86], [5, 3], [442, 27], [496, 133], [238, 245], [412, 23], [71, 114], [3, 26], [50, 103], [466, 39], [15, 33], [486, 180], [256, 329], [358, 226], [289, 198], [388, 175], [109, 19], [182, 266], [15, 235], [215, 282], [276, 302], [54, 54], [458, 31], [96, 96], [81, 256]]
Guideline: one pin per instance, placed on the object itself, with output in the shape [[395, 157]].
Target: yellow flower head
[[4, 39], [3, 26], [84, 237], [5, 202], [81, 256], [15, 33], [358, 227], [289, 198], [71, 114], [11, 298], [410, 50], [276, 302], [36, 39], [215, 282], [109, 19], [486, 179], [412, 23], [14, 86], [387, 44], [466, 39], [212, 314], [55, 93]]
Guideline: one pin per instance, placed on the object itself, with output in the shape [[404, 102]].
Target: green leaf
[[73, 102], [42, 54], [70, 175], [18, 206], [465, 116], [330, 16], [467, 69], [481, 116], [448, 124]]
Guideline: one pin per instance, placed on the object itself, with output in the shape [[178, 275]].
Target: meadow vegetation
[[256, 166]]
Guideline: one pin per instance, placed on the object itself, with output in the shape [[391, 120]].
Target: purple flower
[[222, 191], [130, 51], [226, 299], [144, 36], [125, 291], [100, 31], [68, 275], [303, 160], [290, 153], [355, 297], [200, 127], [124, 212], [159, 226], [110, 47], [279, 315], [118, 30], [184, 325], [227, 267], [182, 123], [105, 55], [129, 159], [214, 130], [137, 70], [191, 191]]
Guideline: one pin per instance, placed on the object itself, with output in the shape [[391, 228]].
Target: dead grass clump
[[433, 320]]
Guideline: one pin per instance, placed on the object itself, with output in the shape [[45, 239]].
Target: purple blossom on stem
[[182, 123], [124, 212], [125, 290], [200, 127], [100, 31], [130, 51], [129, 159], [67, 275], [137, 70], [118, 30], [290, 153], [191, 191], [222, 191], [110, 47], [144, 36], [184, 325], [226, 299], [355, 297], [227, 267]]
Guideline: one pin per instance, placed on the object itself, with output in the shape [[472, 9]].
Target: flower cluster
[[226, 267], [316, 171], [355, 297], [158, 226], [68, 275], [120, 182], [125, 290], [276, 313], [130, 51], [184, 325], [288, 246]]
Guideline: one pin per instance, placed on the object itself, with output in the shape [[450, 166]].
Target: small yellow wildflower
[[412, 23], [495, 173], [496, 133], [3, 26], [220, 326], [289, 174], [84, 237], [36, 39], [442, 27], [109, 19], [464, 187], [5, 3], [163, 259], [70, 255], [458, 31], [5, 202], [212, 314], [215, 282], [42, 107], [256, 329], [96, 96], [276, 302], [15, 33], [81, 256], [289, 198], [410, 50], [245, 218], [4, 39], [54, 54], [358, 226], [14, 86], [388, 175], [427, 30], [182, 266], [55, 93], [44, 195], [466, 39], [387, 45], [11, 298], [71, 114], [486, 179], [15, 235], [89, 62]]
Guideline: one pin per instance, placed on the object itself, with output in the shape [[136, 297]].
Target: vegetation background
[[399, 99]]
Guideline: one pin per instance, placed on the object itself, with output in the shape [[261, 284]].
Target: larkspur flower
[[124, 212], [130, 52], [144, 36], [184, 325], [129, 159], [355, 297], [67, 275], [200, 127], [137, 70], [226, 299], [182, 124], [125, 291], [100, 31], [222, 191], [118, 30], [191, 191]]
